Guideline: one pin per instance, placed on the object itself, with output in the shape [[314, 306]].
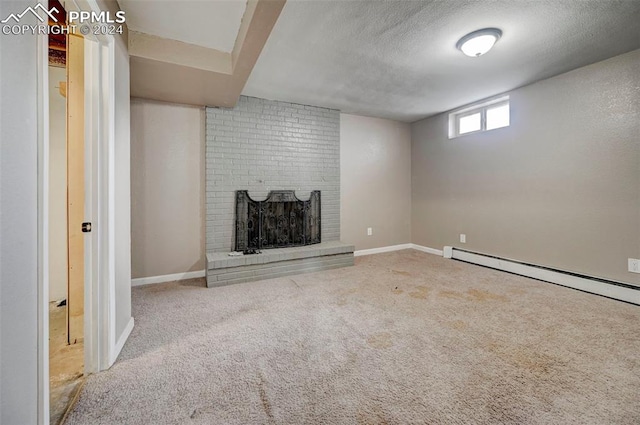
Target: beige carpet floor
[[401, 338]]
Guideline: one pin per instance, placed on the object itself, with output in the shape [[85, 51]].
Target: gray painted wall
[[560, 187], [375, 181], [18, 225], [263, 145], [167, 188]]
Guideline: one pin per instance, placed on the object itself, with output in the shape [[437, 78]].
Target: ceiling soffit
[[174, 71]]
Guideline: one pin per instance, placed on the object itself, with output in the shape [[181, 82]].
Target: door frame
[[43, 227], [99, 301]]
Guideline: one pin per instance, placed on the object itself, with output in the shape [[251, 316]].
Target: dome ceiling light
[[479, 42]]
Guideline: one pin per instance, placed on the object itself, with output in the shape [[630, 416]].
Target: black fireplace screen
[[281, 220]]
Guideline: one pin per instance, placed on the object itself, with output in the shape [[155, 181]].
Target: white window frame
[[480, 107]]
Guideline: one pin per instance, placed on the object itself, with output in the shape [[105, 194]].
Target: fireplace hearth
[[280, 221]]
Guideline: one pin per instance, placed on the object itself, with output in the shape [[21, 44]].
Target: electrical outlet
[[369, 231], [634, 265], [463, 238]]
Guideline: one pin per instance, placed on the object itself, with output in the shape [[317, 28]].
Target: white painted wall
[[58, 273], [375, 181], [167, 188], [18, 225]]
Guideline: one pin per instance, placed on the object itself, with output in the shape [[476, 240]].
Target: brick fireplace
[[261, 146]]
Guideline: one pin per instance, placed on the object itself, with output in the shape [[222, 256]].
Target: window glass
[[498, 117], [469, 123]]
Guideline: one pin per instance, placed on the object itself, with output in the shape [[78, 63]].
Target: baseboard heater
[[611, 289]]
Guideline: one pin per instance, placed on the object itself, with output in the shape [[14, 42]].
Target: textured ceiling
[[397, 59], [212, 24]]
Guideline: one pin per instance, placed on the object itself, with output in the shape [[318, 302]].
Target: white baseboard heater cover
[[610, 289]]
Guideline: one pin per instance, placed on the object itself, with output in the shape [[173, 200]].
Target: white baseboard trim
[[594, 286], [167, 278], [397, 248], [381, 249], [123, 338], [427, 249]]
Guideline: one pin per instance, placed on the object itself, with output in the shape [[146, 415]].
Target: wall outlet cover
[[463, 238], [634, 265]]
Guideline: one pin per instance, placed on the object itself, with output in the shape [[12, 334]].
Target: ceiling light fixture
[[479, 42]]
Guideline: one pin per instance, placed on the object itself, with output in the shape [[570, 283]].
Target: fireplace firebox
[[282, 220]]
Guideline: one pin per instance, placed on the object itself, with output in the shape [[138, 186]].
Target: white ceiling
[[213, 24], [397, 59]]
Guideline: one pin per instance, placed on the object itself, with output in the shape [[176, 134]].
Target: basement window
[[484, 116]]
